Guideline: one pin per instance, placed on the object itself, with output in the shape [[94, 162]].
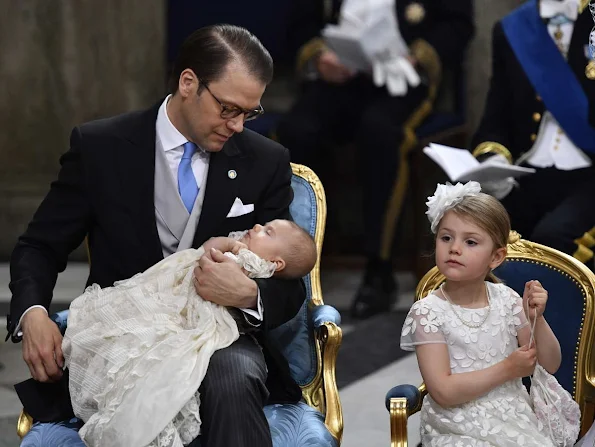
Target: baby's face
[[268, 241]]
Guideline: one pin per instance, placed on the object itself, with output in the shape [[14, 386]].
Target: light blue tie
[[186, 181]]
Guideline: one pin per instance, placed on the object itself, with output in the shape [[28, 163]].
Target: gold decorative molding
[[24, 424], [308, 51], [322, 392], [428, 58], [308, 174], [398, 422], [491, 147]]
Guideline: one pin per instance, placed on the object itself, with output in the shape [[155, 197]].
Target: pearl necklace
[[468, 324]]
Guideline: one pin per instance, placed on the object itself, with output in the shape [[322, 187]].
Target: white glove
[[396, 73], [498, 188]]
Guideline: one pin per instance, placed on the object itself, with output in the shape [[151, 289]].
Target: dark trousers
[[327, 114], [232, 397], [553, 207]]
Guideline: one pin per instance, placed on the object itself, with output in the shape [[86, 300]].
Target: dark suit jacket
[[447, 25], [513, 110], [105, 191]]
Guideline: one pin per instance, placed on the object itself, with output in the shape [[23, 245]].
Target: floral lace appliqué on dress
[[503, 417]]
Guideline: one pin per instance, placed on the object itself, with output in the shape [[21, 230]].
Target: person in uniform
[[337, 104], [539, 113]]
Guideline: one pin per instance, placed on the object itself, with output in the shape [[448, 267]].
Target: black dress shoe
[[377, 294]]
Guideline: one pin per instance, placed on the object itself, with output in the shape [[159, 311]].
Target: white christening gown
[[137, 353], [504, 417]]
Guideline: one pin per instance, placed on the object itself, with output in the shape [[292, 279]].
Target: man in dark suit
[[337, 105], [143, 185], [537, 115]]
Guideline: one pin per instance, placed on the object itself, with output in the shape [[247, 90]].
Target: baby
[[146, 342], [280, 242]]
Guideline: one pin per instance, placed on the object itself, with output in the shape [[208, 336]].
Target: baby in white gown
[[137, 352]]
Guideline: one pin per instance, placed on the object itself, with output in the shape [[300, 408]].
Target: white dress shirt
[[173, 145], [552, 146]]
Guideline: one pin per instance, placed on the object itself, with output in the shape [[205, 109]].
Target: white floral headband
[[447, 197]]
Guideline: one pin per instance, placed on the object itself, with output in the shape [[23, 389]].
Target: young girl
[[467, 334]]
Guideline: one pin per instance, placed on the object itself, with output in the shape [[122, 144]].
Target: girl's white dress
[[503, 417], [137, 353]]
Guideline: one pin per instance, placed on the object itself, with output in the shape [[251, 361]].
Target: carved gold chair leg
[[331, 336], [24, 424], [398, 422]]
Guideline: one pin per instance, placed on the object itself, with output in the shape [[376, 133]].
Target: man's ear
[[498, 257], [280, 264], [188, 83]]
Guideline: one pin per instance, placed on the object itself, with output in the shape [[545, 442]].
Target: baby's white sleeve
[[422, 326]]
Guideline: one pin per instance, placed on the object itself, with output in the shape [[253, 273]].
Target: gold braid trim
[[427, 56], [310, 49], [491, 147], [582, 6], [584, 244]]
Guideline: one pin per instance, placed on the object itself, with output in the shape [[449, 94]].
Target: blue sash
[[549, 73]]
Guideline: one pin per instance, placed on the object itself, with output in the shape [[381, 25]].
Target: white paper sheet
[[460, 166]]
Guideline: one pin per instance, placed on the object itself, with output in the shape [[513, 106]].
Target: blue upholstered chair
[[570, 312], [309, 341]]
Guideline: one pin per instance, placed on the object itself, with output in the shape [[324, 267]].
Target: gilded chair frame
[[584, 355], [322, 392]]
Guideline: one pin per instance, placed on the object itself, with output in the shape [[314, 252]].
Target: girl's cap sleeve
[[423, 325]]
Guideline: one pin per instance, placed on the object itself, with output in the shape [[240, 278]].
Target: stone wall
[[64, 62]]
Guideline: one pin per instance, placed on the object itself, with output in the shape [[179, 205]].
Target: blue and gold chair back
[[570, 312], [310, 341]]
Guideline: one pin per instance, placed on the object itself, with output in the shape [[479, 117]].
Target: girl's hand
[[521, 363], [534, 299]]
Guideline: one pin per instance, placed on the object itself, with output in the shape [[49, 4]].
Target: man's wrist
[[250, 300]]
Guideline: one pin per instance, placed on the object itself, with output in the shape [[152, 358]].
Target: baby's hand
[[237, 246], [535, 299], [521, 362], [222, 244]]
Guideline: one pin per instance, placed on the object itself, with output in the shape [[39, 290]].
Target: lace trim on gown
[[138, 352]]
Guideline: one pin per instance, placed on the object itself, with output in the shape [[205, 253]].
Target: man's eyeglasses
[[230, 112]]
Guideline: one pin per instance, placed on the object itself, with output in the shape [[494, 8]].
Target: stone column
[[64, 62], [479, 57]]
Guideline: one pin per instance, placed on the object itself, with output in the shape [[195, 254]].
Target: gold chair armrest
[[399, 414], [329, 336], [398, 422], [24, 424]]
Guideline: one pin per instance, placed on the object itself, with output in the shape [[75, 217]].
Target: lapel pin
[[232, 174]]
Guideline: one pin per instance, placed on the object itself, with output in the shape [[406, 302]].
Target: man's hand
[[220, 280], [331, 69], [42, 346]]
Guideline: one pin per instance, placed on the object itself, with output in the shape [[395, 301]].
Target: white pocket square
[[239, 209]]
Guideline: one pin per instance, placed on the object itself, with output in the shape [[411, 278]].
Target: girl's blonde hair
[[488, 214]]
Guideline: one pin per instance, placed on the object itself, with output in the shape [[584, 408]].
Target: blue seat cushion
[[564, 311], [291, 425]]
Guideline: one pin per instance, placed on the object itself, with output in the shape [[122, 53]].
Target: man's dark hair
[[208, 50]]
